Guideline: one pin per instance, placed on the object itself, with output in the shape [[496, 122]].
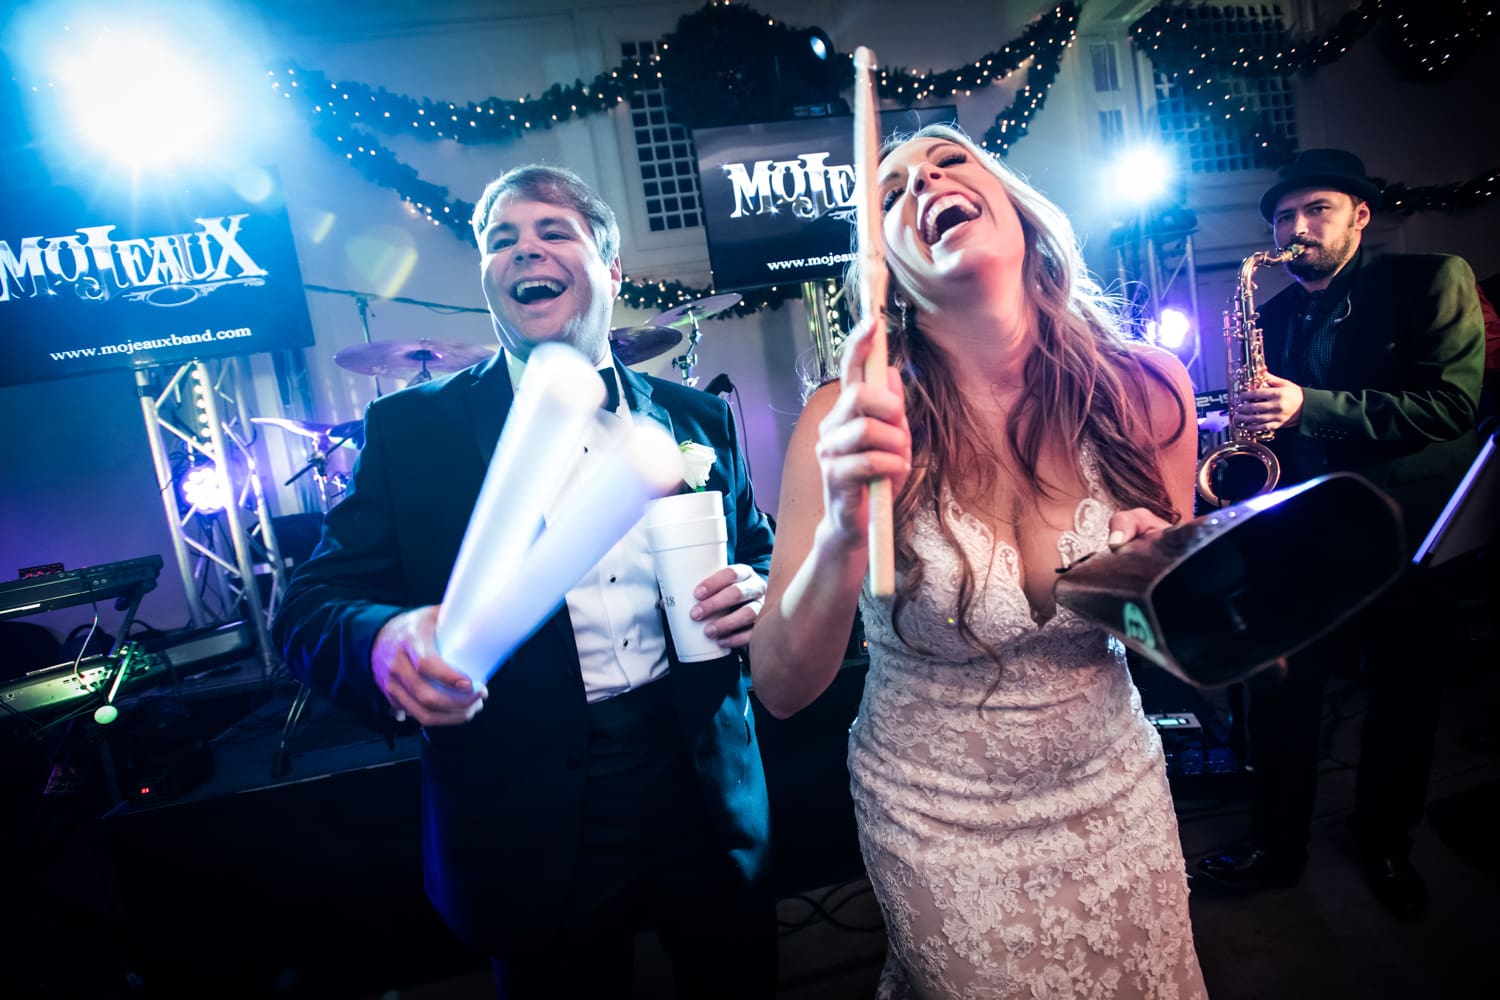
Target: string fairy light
[[1208, 71]]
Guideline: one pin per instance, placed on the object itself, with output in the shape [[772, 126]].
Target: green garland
[[1422, 42], [345, 116], [1043, 43], [434, 203], [713, 67], [492, 121], [1451, 198]]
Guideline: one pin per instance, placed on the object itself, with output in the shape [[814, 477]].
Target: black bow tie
[[611, 381]]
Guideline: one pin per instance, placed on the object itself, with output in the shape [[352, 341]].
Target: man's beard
[[1317, 261]]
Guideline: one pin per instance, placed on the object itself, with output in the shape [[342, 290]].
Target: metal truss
[[214, 430], [1153, 260]]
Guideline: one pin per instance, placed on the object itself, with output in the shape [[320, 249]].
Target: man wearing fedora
[[1375, 364]]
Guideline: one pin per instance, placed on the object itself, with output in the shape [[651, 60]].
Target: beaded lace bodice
[[1015, 820]]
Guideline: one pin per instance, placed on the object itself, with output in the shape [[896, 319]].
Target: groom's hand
[[415, 679], [729, 601]]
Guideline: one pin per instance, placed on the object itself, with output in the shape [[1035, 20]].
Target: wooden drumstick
[[872, 288]]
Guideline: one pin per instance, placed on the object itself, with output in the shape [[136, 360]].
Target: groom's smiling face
[[544, 279]]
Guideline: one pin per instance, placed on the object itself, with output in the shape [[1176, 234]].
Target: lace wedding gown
[[1021, 844]]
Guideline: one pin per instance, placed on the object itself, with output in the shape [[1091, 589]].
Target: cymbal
[[681, 316], [350, 430], [640, 343], [407, 357]]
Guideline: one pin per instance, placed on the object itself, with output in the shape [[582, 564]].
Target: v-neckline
[[1017, 570]]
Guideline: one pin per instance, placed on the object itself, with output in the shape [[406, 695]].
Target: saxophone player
[[1375, 361]]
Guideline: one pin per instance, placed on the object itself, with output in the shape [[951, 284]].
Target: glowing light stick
[[558, 396], [519, 598]]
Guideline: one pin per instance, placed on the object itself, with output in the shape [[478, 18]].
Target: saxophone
[[1247, 370]]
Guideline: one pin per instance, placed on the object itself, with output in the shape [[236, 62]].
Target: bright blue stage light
[[200, 488], [139, 98], [1141, 175], [1174, 329]]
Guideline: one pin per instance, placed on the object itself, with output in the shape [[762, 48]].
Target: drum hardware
[[326, 438], [423, 357], [686, 316], [362, 302], [634, 344], [328, 435]]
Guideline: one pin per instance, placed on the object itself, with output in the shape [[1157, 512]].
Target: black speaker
[[157, 751], [296, 536], [24, 647], [310, 886]]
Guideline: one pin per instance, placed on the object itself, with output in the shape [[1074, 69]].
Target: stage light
[[199, 488], [804, 75], [820, 43], [141, 99], [200, 389], [1173, 329], [1141, 175]]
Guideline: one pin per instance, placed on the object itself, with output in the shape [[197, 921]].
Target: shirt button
[[611, 579], [626, 644]]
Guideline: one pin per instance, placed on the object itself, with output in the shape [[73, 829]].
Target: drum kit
[[666, 330], [420, 359], [399, 357]]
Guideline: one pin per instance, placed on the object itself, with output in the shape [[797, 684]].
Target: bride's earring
[[904, 307]]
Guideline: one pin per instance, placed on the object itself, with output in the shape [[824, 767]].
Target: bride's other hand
[[1128, 525]]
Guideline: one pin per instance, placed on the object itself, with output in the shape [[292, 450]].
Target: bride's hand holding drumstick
[[863, 439]]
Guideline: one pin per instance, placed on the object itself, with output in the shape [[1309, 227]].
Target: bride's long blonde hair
[[1082, 384]]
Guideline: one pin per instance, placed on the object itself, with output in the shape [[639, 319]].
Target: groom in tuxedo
[[596, 787]]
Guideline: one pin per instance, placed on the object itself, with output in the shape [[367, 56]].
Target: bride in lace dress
[[1012, 800]]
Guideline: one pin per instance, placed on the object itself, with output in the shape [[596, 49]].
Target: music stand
[[1467, 523]]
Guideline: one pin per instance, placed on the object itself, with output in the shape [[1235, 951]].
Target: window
[[669, 173], [1215, 146], [1112, 129], [1106, 67]]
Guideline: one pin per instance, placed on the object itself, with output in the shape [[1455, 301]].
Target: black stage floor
[[277, 878], [309, 884]]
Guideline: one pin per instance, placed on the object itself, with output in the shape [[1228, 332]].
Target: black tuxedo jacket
[[502, 794], [1403, 382]]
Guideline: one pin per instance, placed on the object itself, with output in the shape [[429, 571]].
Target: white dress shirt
[[616, 625]]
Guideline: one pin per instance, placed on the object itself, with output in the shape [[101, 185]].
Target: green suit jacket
[[1402, 386]]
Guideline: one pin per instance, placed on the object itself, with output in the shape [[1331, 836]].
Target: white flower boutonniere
[[697, 459]]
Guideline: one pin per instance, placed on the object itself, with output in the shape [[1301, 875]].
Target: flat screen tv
[[149, 273], [778, 197]]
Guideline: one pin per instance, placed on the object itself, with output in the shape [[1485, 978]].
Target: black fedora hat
[[1329, 168]]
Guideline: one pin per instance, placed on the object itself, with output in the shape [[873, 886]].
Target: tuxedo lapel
[[488, 404], [640, 398]]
